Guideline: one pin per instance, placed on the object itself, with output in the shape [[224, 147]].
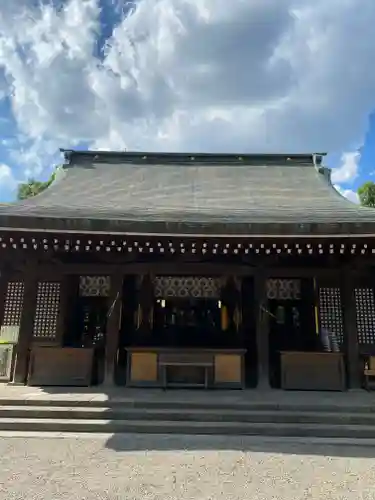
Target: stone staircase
[[188, 417]]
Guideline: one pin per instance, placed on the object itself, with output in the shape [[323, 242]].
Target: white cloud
[[258, 75], [348, 170], [349, 194], [7, 180]]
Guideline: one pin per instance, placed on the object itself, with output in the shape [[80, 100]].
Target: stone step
[[186, 405], [191, 415], [187, 428]]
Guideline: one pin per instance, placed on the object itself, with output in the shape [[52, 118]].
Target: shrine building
[[187, 270]]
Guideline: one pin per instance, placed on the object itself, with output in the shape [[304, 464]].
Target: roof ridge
[[84, 157]]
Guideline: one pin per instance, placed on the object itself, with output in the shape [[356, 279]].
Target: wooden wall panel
[[144, 367], [228, 368]]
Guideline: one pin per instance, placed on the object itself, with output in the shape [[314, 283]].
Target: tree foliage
[[366, 194], [32, 187]]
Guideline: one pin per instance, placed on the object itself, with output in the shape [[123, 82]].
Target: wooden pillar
[[113, 327], [4, 280], [350, 329], [63, 309], [262, 333], [146, 303], [26, 326]]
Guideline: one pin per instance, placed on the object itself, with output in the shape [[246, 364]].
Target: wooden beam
[[162, 268], [262, 329], [190, 268], [302, 272]]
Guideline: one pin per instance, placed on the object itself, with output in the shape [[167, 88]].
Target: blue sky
[[186, 75]]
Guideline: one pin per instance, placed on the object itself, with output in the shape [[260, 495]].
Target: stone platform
[[119, 410], [217, 398]]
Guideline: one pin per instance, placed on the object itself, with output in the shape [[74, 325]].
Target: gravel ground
[[177, 467]]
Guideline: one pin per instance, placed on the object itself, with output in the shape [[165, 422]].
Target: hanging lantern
[[151, 317], [237, 318], [280, 315], [224, 318], [139, 316]]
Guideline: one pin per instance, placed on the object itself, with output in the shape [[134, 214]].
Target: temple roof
[[167, 193]]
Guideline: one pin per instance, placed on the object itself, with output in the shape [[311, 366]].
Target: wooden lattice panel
[[190, 286], [330, 312], [47, 310], [283, 289], [12, 311], [365, 312], [94, 286]]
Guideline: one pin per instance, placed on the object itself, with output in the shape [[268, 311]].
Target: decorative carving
[[190, 286], [365, 312], [330, 312], [94, 286], [12, 311], [283, 289], [47, 310]]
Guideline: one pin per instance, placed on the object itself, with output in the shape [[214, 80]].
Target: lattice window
[[330, 311], [94, 286], [12, 311], [190, 286], [365, 311], [283, 289], [47, 310]]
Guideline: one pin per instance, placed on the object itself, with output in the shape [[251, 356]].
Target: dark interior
[[291, 327], [187, 322], [86, 326]]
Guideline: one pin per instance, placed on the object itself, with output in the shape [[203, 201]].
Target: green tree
[[32, 187], [366, 194]]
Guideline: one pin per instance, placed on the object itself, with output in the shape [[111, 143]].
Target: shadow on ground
[[245, 444]]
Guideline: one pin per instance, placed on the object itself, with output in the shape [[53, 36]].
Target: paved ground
[[175, 467]]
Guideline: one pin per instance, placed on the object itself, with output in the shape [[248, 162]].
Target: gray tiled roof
[[120, 190]]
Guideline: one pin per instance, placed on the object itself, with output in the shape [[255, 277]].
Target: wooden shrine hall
[[187, 270]]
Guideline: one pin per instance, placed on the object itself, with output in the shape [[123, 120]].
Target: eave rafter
[[99, 244]]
